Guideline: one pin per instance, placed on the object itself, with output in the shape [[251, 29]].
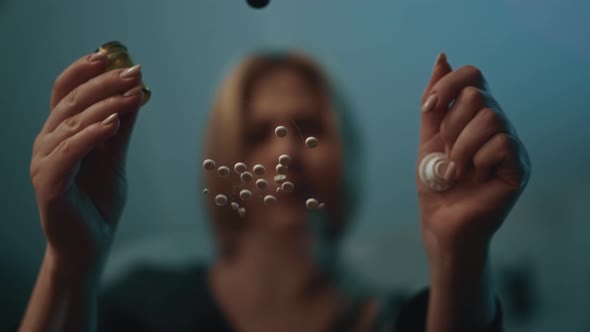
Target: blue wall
[[533, 53]]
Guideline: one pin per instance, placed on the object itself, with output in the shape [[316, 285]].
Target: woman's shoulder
[[157, 296]]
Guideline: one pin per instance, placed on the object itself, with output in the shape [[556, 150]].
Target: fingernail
[[430, 103], [134, 91], [110, 120], [131, 72], [98, 56], [450, 173]]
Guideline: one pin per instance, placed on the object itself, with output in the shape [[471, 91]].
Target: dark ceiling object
[[258, 4]]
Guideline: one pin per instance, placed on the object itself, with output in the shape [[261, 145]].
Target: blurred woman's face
[[283, 97]]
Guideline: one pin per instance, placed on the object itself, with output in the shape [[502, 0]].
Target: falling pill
[[220, 200], [245, 194], [311, 142], [321, 205], [246, 177], [205, 191], [284, 159], [269, 200], [209, 164], [281, 169], [311, 203], [242, 212], [279, 190], [261, 184], [240, 168], [280, 178], [281, 131], [223, 171], [235, 205], [258, 169], [288, 186]]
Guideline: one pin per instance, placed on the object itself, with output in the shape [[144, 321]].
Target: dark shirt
[[153, 299]]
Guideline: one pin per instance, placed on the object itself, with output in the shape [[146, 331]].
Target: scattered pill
[[311, 142], [288, 186], [281, 169], [220, 200], [311, 203], [240, 168], [261, 184], [209, 164], [258, 169], [242, 212], [245, 194], [284, 159], [205, 191], [246, 177], [280, 178], [279, 190], [269, 200], [258, 4], [235, 205], [281, 131], [223, 171], [321, 205]]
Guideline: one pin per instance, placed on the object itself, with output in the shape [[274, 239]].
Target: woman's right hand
[[78, 161]]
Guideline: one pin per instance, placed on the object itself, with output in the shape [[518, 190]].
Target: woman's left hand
[[488, 163]]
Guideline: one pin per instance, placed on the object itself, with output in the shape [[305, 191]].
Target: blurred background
[[534, 54]]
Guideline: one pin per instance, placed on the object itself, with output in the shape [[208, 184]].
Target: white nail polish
[[430, 103]]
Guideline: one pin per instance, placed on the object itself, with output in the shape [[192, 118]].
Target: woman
[[268, 275]]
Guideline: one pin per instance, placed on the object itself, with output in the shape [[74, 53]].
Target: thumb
[[430, 121]]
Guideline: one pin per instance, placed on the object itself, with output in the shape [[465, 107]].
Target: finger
[[79, 72], [116, 81], [501, 156], [127, 103], [486, 123], [469, 102], [68, 153], [430, 121], [449, 87]]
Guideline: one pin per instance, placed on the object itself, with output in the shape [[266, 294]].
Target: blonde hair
[[225, 130]]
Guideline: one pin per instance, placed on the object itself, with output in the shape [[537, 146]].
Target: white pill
[[311, 203], [321, 205], [281, 169], [209, 164], [279, 190], [245, 194], [311, 142], [242, 212], [246, 177], [220, 200], [240, 168], [223, 171], [284, 159], [258, 169], [281, 131], [205, 191], [280, 178], [235, 205], [288, 186], [269, 200], [261, 184]]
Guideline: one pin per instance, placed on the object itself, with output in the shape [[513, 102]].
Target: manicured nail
[[110, 120], [131, 72], [134, 91], [440, 58], [98, 56], [450, 173], [430, 103]]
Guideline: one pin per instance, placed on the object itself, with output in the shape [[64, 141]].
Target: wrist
[[62, 271]]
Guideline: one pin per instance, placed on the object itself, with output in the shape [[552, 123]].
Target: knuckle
[[474, 72], [472, 94], [64, 147], [72, 97], [490, 117], [73, 123]]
